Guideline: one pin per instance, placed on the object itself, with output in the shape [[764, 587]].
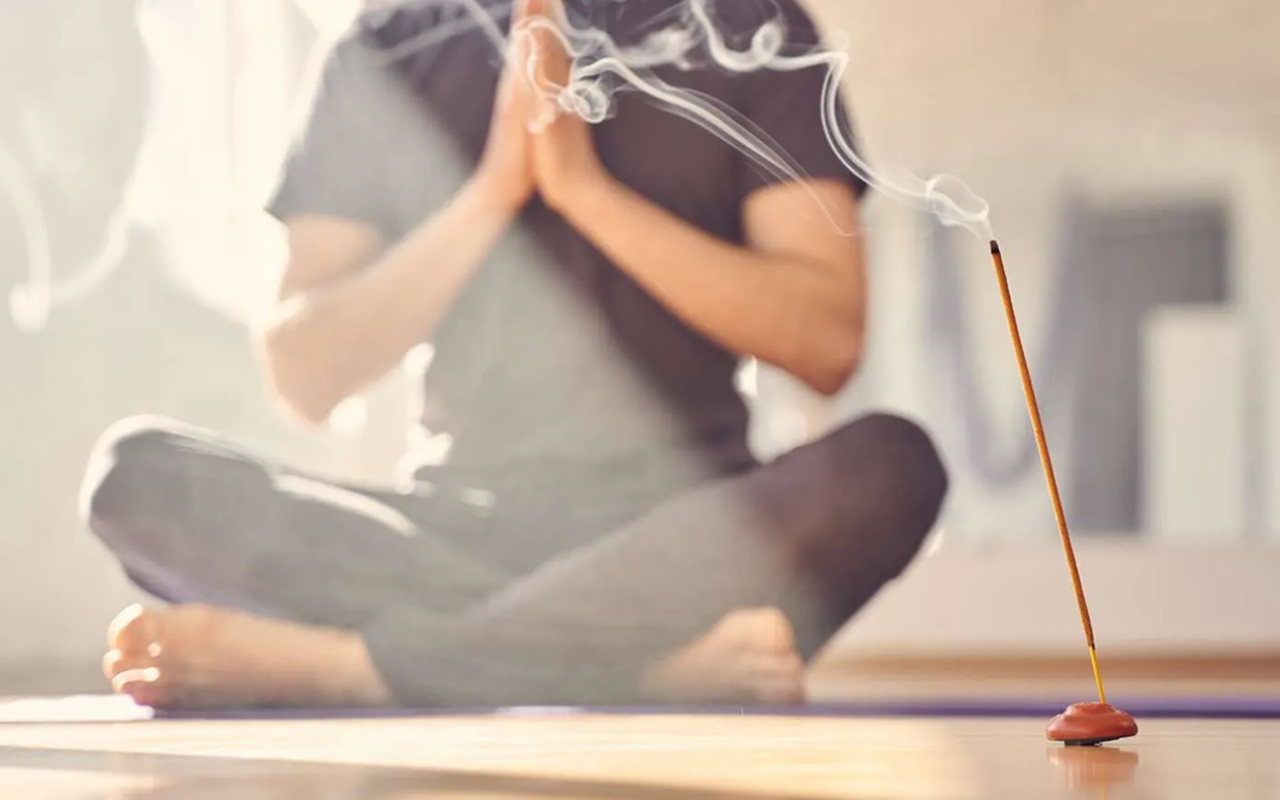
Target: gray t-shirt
[[552, 359]]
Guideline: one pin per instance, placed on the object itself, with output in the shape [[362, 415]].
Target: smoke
[[68, 139], [688, 38], [595, 56], [170, 114], [31, 303], [28, 304]]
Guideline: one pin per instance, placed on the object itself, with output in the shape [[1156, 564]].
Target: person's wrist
[[582, 195], [496, 194]]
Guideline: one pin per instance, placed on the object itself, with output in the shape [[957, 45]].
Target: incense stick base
[[1091, 723]]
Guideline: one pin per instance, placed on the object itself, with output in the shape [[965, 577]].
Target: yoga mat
[[109, 709], [72, 709]]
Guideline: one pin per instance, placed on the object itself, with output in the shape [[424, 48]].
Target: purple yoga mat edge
[[1197, 708], [114, 710]]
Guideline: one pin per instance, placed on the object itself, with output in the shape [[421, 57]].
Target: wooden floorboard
[[694, 757]]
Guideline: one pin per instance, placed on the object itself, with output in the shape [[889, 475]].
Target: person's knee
[[131, 462], [910, 460], [897, 467]]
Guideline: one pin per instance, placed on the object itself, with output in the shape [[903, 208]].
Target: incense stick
[[1046, 462]]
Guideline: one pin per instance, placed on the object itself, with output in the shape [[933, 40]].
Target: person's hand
[[566, 166], [505, 172]]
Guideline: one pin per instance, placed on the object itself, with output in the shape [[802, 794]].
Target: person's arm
[[348, 312], [341, 325], [794, 297]]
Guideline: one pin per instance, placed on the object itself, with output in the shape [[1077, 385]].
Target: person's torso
[[551, 354]]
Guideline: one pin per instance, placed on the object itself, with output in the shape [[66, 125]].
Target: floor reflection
[[166, 777], [1095, 769]]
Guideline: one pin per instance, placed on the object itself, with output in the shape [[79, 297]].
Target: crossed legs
[[295, 592]]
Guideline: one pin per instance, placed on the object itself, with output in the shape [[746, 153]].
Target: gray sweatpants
[[462, 600]]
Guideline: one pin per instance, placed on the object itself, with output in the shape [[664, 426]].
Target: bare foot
[[749, 657], [203, 657]]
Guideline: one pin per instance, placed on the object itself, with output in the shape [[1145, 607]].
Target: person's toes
[[773, 630], [135, 630], [132, 679], [791, 679], [759, 630], [787, 690], [776, 681], [142, 684], [147, 687], [116, 662]]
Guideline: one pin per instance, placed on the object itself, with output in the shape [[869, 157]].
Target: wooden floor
[[550, 755]]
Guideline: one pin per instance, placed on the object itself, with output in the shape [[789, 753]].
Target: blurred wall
[[1035, 103], [73, 90]]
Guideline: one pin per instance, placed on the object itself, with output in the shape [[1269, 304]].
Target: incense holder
[[1091, 723]]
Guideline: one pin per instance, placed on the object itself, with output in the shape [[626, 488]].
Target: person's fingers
[[533, 23], [523, 9], [533, 8]]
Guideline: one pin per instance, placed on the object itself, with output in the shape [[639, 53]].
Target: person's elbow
[[836, 360], [295, 380]]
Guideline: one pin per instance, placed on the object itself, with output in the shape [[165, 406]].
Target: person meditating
[[583, 521]]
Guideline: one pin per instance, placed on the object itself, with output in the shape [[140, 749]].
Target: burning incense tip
[[995, 247]]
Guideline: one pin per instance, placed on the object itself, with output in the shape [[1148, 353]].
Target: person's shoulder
[[380, 38], [756, 9], [358, 72], [394, 26], [412, 38]]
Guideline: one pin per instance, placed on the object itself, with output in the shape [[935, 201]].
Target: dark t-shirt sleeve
[[788, 109], [338, 164]]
